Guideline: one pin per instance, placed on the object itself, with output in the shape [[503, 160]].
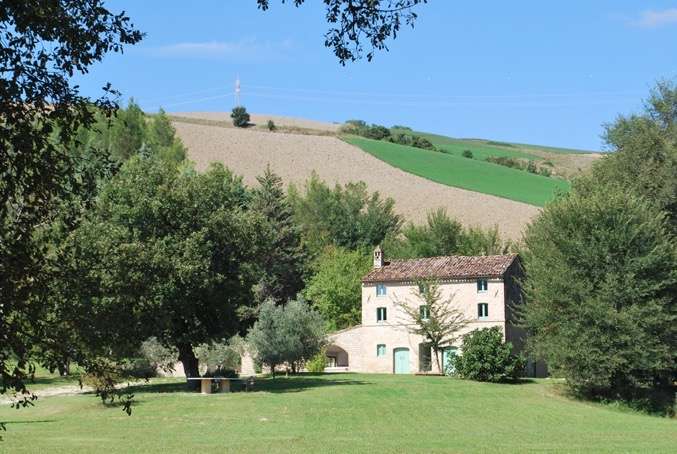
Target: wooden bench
[[222, 382]]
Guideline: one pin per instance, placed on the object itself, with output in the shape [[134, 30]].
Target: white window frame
[[486, 285], [381, 287], [378, 350], [486, 311], [423, 309], [385, 314]]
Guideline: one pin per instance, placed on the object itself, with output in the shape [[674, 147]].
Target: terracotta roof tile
[[451, 267]]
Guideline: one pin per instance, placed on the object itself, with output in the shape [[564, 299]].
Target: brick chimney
[[378, 257]]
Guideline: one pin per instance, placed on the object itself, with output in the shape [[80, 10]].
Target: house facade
[[484, 288]]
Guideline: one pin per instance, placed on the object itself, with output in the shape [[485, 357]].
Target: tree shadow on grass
[[280, 384], [303, 382]]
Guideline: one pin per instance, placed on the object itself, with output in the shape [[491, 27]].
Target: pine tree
[[281, 254]]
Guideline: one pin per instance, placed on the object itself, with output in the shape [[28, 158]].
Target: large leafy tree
[[355, 21], [601, 284], [442, 235], [644, 158], [346, 216], [167, 252], [42, 45], [334, 287]]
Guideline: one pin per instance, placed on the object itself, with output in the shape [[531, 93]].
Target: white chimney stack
[[378, 257]]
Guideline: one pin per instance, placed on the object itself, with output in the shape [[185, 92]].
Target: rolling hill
[[300, 147]]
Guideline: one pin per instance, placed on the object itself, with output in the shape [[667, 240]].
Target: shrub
[[217, 357], [500, 144], [544, 171], [317, 363], [157, 355], [271, 125], [506, 161], [400, 138], [422, 142], [531, 167], [404, 128], [377, 132], [240, 117], [467, 154], [487, 358]]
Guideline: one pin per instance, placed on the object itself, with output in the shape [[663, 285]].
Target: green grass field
[[495, 148], [338, 413], [472, 174]]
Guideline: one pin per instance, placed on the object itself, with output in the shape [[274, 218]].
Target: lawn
[[338, 413], [472, 174]]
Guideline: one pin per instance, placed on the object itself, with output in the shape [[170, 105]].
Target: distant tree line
[[397, 134]]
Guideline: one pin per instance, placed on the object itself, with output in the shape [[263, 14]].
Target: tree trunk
[[272, 370], [190, 364], [293, 367], [437, 360]]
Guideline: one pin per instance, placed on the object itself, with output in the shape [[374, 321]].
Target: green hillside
[[494, 148], [472, 174]]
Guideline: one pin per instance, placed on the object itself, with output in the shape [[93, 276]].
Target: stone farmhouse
[[484, 288]]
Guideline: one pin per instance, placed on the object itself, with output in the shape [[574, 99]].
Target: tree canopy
[[346, 216], [334, 287], [167, 252], [42, 45], [601, 288], [355, 21]]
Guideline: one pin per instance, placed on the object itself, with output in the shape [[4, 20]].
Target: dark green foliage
[[520, 164], [129, 132], [602, 289], [166, 252], [291, 333], [401, 128], [467, 154], [531, 166], [347, 216], [334, 287], [354, 21], [500, 144], [376, 132], [506, 161], [442, 235], [401, 138], [485, 357], [281, 257], [240, 117], [421, 142], [644, 158], [42, 44], [271, 126]]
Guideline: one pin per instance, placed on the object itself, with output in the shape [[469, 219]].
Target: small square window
[[482, 310], [482, 285], [380, 290], [425, 312], [381, 315], [381, 350]]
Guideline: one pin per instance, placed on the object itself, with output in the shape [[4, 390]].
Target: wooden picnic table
[[223, 383]]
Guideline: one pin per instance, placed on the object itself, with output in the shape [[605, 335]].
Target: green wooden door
[[401, 358], [447, 354]]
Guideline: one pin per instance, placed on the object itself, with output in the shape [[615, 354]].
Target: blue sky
[[525, 71]]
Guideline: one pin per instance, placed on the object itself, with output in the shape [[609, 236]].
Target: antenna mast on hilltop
[[237, 91]]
